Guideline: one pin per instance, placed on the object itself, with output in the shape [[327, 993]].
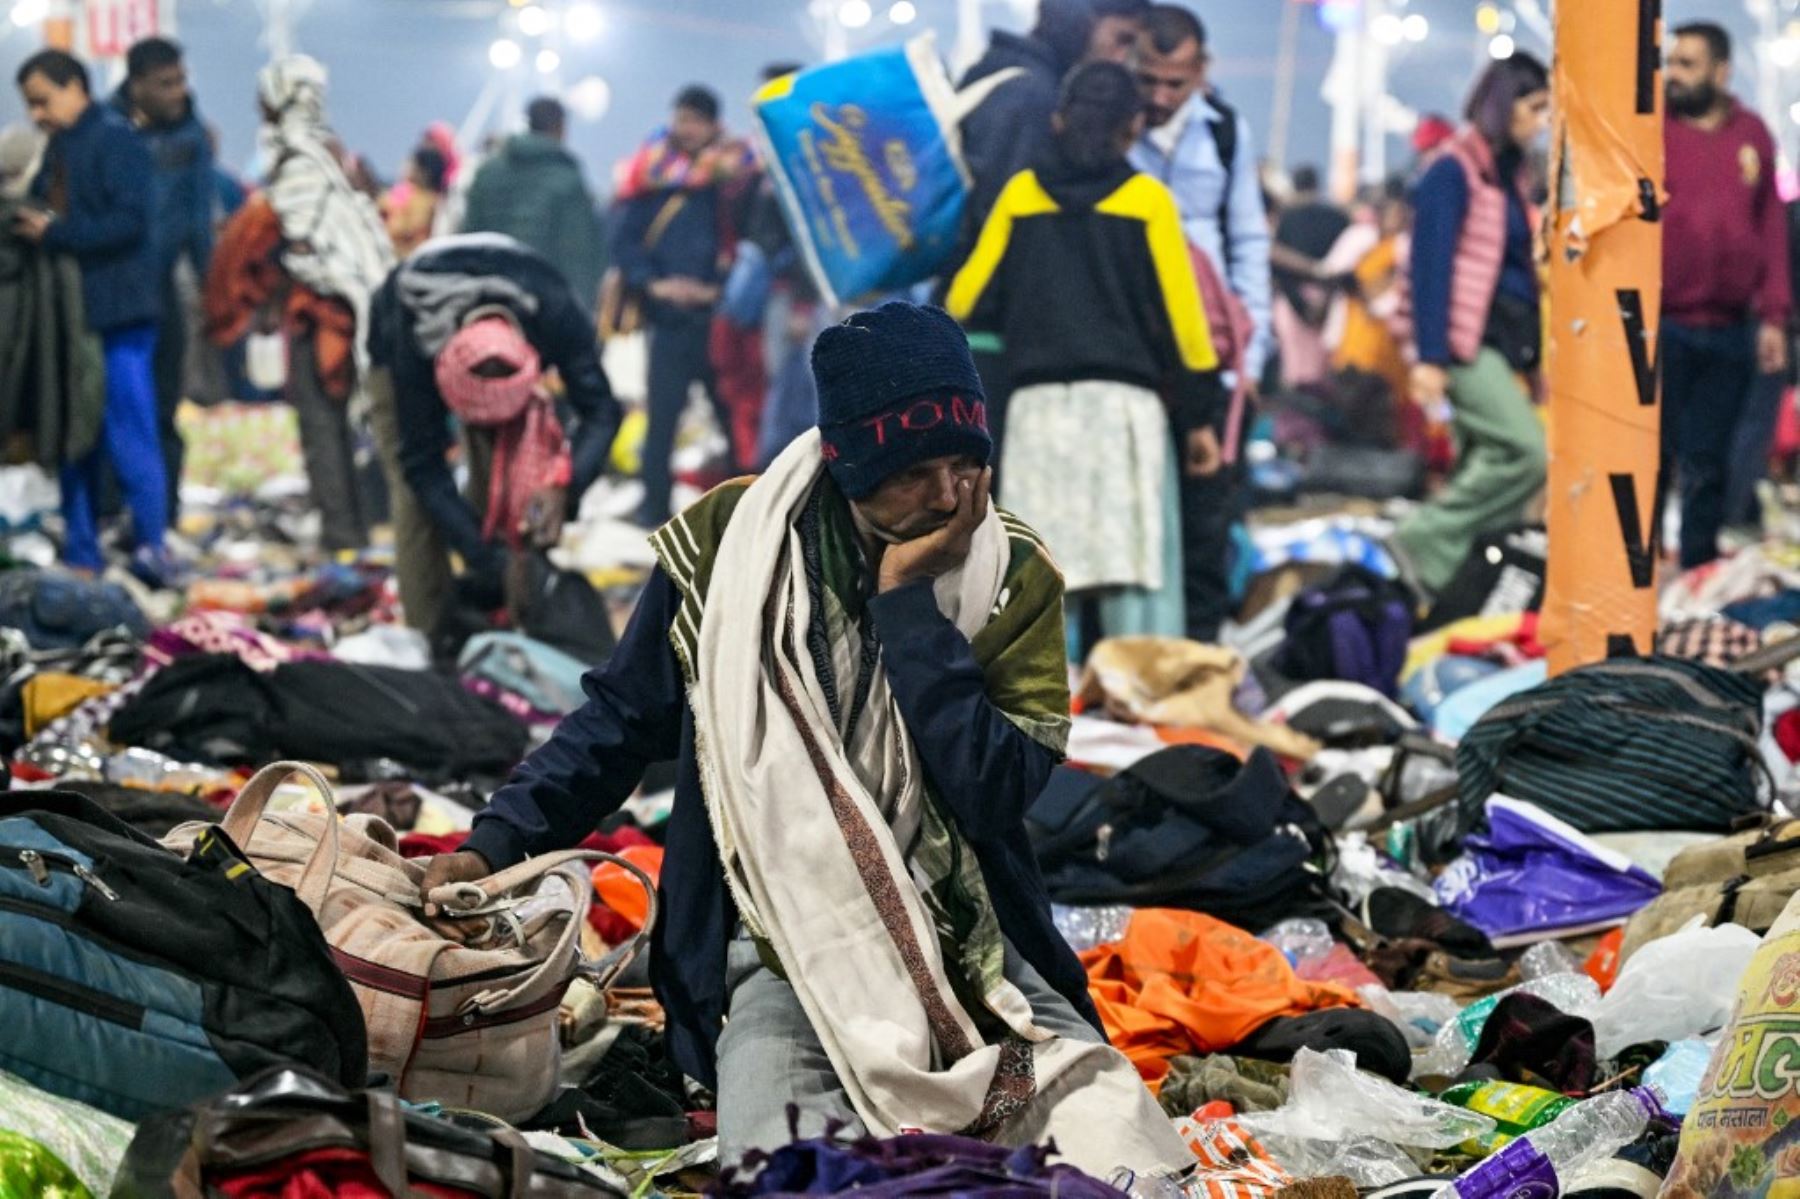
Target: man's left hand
[[544, 516], [1771, 349], [32, 224], [944, 550]]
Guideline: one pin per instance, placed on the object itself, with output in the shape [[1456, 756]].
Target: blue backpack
[[1355, 628], [136, 980]]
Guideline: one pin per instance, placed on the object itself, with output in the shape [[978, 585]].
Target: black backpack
[[1187, 827], [1624, 745], [135, 980]]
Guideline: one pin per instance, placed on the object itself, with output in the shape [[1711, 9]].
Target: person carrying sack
[[858, 663]]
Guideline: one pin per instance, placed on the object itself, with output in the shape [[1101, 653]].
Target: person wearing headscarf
[[333, 243], [471, 327]]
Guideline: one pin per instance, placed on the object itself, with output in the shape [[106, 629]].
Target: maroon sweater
[[1725, 245]]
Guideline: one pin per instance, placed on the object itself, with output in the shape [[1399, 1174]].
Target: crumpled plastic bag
[[1534, 874], [1341, 1121], [1675, 988]]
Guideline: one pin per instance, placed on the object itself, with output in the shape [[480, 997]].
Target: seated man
[[467, 326], [860, 667]]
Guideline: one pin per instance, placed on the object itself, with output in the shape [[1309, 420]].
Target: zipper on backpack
[[40, 865]]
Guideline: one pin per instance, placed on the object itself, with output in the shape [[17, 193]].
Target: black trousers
[[679, 358], [1209, 508], [167, 369]]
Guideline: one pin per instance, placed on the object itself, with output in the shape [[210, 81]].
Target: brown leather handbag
[[466, 1021]]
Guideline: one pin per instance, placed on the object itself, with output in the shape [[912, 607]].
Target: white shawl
[[336, 243], [803, 829]]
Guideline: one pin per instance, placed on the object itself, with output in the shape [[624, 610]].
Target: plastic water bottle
[[1533, 1166]]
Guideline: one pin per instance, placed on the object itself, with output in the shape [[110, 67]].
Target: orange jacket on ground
[[1180, 982]]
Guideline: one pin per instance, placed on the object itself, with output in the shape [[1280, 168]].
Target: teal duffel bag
[[1629, 744]]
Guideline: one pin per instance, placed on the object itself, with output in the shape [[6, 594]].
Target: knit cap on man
[[897, 386]]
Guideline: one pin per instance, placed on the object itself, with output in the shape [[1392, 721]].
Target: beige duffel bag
[[462, 1008]]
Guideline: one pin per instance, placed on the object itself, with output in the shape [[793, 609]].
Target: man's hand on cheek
[[942, 550]]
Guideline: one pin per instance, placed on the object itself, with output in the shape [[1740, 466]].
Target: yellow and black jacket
[[1086, 275]]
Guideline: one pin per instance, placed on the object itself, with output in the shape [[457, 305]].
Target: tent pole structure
[[1286, 67], [1605, 298]]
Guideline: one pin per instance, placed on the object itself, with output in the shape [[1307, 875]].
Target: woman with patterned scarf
[[333, 243]]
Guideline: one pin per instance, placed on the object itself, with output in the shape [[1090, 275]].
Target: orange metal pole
[[1605, 250]]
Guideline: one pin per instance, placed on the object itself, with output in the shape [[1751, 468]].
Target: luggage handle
[[247, 809], [456, 900]]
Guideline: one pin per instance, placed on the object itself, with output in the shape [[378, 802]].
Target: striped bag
[[1628, 744]]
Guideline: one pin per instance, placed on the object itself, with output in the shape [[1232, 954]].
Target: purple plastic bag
[[1531, 874]]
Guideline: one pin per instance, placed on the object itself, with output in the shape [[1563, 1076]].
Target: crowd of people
[[862, 649], [1198, 280]]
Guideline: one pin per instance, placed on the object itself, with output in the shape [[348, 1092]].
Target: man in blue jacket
[[156, 100], [668, 250], [95, 196], [909, 637]]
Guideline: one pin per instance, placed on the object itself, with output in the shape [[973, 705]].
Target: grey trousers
[[770, 1058], [421, 558], [329, 449]]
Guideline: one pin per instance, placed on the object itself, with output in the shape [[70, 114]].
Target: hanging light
[[1487, 19], [26, 13], [584, 22], [854, 14], [1388, 29], [535, 20], [903, 12], [1416, 27], [1502, 46], [505, 54], [590, 98], [548, 62]]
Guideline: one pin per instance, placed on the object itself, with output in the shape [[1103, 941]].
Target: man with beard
[[1725, 284], [1201, 148]]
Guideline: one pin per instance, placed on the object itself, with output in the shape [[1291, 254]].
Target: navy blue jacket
[[559, 330], [1440, 205], [985, 769], [687, 247], [105, 172], [181, 214]]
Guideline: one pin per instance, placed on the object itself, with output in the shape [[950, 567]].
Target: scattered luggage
[[469, 1021], [133, 977]]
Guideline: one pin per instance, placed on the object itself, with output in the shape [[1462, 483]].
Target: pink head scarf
[[530, 451]]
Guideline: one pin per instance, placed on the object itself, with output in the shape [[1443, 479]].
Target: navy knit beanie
[[897, 387]]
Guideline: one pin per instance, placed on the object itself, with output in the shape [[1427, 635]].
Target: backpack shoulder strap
[[1224, 130]]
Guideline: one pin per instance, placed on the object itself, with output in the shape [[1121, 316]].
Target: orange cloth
[[623, 893], [246, 274], [1181, 982]]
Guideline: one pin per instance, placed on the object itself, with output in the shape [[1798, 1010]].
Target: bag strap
[[665, 216], [458, 900], [247, 809]]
